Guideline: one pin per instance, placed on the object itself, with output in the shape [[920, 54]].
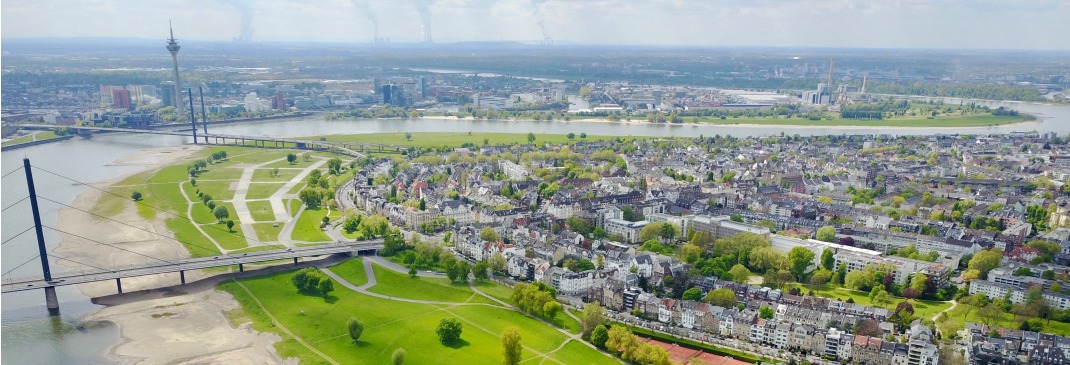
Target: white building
[[252, 103], [575, 282], [628, 230], [512, 170]]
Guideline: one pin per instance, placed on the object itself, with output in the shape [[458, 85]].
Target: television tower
[[173, 47]]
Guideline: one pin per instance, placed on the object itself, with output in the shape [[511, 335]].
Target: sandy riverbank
[[186, 328]]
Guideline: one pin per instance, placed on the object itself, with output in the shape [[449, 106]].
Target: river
[[30, 336]]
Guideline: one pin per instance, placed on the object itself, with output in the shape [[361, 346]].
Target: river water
[[31, 337]]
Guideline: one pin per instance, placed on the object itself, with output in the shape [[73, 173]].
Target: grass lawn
[[957, 318], [499, 291], [352, 270], [220, 171], [294, 205], [232, 240], [261, 210], [395, 284], [218, 189], [194, 241], [388, 325], [262, 190], [285, 174], [41, 136], [265, 232], [922, 308], [308, 226], [454, 139], [296, 189]]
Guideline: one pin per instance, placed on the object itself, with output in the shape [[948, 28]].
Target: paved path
[[370, 273], [276, 199], [189, 216]]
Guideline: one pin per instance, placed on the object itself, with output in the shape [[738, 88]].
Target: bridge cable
[[15, 203], [20, 265], [128, 225], [12, 172], [109, 245], [81, 263], [16, 236], [153, 207]]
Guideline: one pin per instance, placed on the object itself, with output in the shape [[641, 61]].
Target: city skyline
[[947, 24]]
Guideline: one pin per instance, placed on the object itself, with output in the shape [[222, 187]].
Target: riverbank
[[972, 122], [33, 140], [193, 326]]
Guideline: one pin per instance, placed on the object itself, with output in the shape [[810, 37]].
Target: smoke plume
[[368, 13], [246, 9], [546, 39], [423, 7]]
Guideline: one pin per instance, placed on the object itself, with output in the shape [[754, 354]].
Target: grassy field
[[259, 190], [41, 136], [261, 210], [308, 226], [389, 325], [352, 270], [266, 232], [922, 308], [454, 139], [396, 284], [285, 174], [962, 313]]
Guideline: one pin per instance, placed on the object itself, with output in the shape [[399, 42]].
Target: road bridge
[[181, 266], [351, 149]]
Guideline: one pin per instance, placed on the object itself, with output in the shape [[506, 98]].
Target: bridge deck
[[73, 278]]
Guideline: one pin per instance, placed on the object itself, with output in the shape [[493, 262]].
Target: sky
[[934, 24]]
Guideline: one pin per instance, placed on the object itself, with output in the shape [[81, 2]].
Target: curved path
[[370, 273]]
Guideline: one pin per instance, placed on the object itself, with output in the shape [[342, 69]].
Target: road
[[162, 267]]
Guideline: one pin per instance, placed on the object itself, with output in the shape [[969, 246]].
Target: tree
[[858, 280], [356, 328], [497, 263], [136, 196], [531, 138], [220, 213], [800, 259], [408, 136], [692, 294], [334, 165], [868, 327], [291, 158], [593, 316], [820, 277], [550, 309], [827, 259], [511, 347], [583, 135], [488, 234], [599, 336], [449, 330], [827, 234], [480, 270], [971, 275], [765, 312], [991, 313], [230, 225], [571, 136], [986, 260], [882, 298], [311, 281], [723, 297], [398, 357], [739, 273], [312, 197], [917, 282]]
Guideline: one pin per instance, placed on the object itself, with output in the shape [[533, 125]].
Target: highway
[[162, 267]]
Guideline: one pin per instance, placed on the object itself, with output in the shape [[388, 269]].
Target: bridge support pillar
[[119, 284], [182, 276], [51, 301], [295, 261], [241, 267]]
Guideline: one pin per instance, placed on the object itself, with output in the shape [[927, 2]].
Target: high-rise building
[[278, 101], [173, 47], [120, 99], [423, 88], [167, 97], [252, 103], [388, 92]]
